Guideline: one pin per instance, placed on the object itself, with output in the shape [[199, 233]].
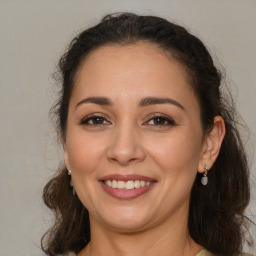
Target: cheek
[[85, 156], [84, 152], [177, 157], [177, 154]]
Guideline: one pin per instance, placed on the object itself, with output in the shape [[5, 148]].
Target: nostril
[[125, 157]]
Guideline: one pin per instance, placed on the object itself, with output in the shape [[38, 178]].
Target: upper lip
[[126, 177]]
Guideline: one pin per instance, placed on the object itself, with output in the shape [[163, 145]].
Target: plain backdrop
[[34, 34]]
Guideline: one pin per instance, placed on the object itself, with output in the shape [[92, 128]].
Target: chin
[[125, 220]]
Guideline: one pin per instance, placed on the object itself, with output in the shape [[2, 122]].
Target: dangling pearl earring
[[204, 179], [71, 182]]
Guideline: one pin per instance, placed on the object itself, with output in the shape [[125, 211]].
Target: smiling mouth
[[130, 184], [127, 186]]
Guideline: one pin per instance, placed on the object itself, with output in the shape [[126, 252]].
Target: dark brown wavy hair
[[216, 215]]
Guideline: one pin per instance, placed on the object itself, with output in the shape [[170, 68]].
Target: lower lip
[[126, 193]]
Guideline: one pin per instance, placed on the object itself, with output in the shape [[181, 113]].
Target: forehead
[[147, 56], [136, 70]]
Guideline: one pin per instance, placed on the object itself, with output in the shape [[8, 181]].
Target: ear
[[66, 158], [212, 144]]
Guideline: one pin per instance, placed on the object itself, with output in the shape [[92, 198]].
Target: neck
[[154, 241]]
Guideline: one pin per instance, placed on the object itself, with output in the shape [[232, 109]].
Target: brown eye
[[160, 121], [94, 120]]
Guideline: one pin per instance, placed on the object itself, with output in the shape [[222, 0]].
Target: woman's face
[[134, 140]]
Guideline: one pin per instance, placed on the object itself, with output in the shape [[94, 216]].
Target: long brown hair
[[216, 214]]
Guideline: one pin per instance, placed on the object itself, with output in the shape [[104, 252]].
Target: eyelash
[[167, 120], [86, 120]]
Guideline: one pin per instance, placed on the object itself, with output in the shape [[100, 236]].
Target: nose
[[125, 146]]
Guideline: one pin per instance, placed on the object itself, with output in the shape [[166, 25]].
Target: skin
[[130, 139]]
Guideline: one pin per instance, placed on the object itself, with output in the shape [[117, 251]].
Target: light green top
[[201, 253]]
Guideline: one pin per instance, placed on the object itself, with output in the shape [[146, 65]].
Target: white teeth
[[137, 183], [114, 184], [130, 184], [121, 184]]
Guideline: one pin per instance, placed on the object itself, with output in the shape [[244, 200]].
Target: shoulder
[[206, 253]]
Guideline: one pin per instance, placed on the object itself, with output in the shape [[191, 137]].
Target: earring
[[204, 179], [71, 182]]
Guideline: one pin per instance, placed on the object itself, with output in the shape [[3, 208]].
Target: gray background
[[33, 36]]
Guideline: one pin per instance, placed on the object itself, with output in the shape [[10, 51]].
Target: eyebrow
[[154, 100], [96, 100], [103, 101]]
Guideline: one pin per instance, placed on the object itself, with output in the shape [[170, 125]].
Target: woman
[[154, 163]]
